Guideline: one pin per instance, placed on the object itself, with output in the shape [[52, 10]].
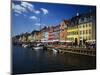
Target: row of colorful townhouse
[[78, 28]]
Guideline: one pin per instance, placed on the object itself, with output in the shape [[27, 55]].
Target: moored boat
[[39, 46], [24, 45]]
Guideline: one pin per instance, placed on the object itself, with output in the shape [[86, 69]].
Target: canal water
[[37, 61]]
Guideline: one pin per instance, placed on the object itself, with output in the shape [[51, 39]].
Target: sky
[[28, 16]]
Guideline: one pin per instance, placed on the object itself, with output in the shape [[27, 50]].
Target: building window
[[72, 38], [74, 33], [80, 37], [86, 25], [83, 25], [80, 32], [89, 24], [89, 31], [83, 31], [86, 31]]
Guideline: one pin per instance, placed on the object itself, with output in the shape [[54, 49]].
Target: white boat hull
[[25, 46], [37, 48]]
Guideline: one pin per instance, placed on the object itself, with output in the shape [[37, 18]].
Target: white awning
[[55, 40], [65, 41]]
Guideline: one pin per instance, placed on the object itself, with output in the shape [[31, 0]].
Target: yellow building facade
[[72, 33], [85, 31]]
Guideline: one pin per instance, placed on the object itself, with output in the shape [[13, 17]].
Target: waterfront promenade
[[70, 49], [83, 51]]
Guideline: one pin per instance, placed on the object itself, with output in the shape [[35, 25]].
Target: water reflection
[[54, 52], [30, 61]]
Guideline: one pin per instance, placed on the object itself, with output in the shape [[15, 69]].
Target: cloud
[[33, 17], [16, 14], [30, 7], [37, 24], [24, 7], [18, 9], [37, 11], [45, 11], [27, 5]]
